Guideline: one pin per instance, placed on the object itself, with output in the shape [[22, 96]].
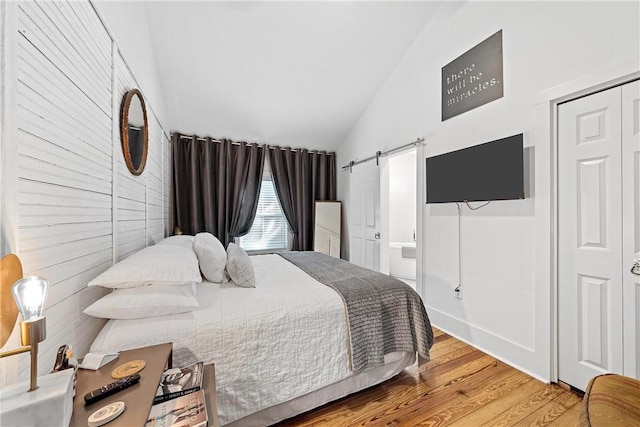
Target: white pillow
[[154, 265], [184, 240], [211, 256], [240, 267], [145, 301]]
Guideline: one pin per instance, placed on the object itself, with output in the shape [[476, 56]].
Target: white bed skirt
[[394, 364]]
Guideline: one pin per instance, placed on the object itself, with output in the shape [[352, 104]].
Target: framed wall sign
[[474, 78]]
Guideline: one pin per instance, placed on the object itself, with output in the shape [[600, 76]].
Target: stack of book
[[179, 400]]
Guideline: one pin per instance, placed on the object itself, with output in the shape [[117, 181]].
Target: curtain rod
[[199, 138], [379, 154]]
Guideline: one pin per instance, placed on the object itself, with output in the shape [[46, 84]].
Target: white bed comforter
[[282, 339]]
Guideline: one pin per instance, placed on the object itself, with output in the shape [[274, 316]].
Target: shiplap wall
[[166, 183], [155, 189], [131, 197], [77, 208]]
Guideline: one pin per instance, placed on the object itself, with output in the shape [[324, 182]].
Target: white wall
[[506, 246], [126, 22], [70, 209]]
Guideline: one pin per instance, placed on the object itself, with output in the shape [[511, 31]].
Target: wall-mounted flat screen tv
[[489, 171]]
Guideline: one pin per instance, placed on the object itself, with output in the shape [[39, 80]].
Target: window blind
[[269, 229]]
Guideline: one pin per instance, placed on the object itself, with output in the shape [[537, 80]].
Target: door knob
[[636, 267], [377, 235]]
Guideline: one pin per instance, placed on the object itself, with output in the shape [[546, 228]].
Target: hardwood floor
[[461, 386]]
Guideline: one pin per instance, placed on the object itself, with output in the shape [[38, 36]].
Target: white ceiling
[[291, 73]]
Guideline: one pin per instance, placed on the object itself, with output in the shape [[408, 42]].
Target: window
[[270, 229]]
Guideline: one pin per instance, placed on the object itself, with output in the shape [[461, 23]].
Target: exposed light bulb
[[30, 294]]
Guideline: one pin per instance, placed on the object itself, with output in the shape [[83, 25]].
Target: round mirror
[[10, 272], [134, 131]]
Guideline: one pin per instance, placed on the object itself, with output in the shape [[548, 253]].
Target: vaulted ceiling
[[292, 73]]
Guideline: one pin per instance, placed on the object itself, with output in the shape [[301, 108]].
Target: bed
[[280, 348]]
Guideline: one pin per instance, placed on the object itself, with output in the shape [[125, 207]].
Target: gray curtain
[[300, 178], [216, 186]]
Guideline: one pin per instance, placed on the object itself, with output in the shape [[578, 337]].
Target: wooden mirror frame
[[124, 131], [11, 271]]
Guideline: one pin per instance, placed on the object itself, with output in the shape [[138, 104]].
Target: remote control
[[109, 389]]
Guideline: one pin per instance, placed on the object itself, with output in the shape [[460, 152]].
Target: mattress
[[282, 344]]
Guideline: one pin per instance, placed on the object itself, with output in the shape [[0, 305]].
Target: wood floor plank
[[570, 418], [450, 393], [460, 386], [559, 405], [443, 355], [510, 409], [453, 413]]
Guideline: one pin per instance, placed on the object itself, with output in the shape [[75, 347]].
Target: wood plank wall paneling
[[166, 182], [64, 170], [131, 211], [79, 209], [155, 207]]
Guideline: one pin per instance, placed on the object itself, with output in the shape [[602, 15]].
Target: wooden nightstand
[[209, 387], [139, 397]]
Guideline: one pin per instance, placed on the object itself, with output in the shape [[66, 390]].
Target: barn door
[[364, 215]]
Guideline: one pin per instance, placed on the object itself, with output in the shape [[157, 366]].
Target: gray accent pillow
[[239, 267]]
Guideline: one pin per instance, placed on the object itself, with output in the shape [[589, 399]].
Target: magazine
[[185, 411], [178, 382]]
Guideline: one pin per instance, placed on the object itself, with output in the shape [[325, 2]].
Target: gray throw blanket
[[385, 314]]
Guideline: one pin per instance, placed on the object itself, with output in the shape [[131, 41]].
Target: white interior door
[[365, 216], [631, 225], [589, 238], [598, 235]]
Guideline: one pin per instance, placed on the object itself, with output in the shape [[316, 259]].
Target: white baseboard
[[515, 355]]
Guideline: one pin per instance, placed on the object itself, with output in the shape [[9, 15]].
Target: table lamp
[[50, 403], [30, 294]]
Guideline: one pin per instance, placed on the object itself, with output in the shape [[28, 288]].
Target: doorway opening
[[398, 205]]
